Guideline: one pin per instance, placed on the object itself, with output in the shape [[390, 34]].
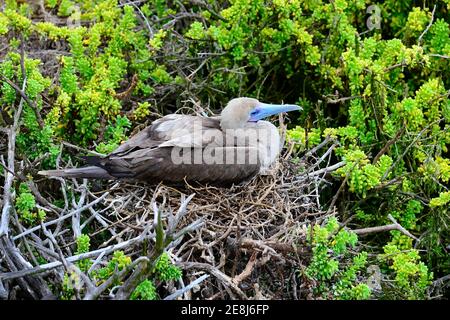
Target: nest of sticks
[[247, 241]]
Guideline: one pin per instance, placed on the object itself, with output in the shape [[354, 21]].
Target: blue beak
[[264, 110]]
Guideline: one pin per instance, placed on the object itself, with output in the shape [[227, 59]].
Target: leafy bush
[[144, 291], [329, 257], [83, 245], [118, 262], [26, 206], [165, 270], [412, 277]]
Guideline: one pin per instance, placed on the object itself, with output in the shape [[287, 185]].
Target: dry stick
[[333, 201], [34, 287], [67, 144], [327, 169], [331, 101], [76, 217], [394, 226], [87, 255], [97, 216], [224, 279], [97, 261], [167, 240], [3, 292], [388, 144], [5, 167], [439, 56], [269, 247], [181, 291], [336, 196], [247, 270], [318, 147], [68, 267], [440, 281], [33, 189], [402, 64], [322, 158], [428, 27], [150, 30], [68, 215], [4, 225]]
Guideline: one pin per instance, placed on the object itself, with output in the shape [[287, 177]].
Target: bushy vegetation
[[375, 82], [332, 280]]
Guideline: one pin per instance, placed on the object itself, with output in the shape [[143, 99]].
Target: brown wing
[[149, 155], [160, 131]]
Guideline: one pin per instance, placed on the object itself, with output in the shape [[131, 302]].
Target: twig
[[87, 255], [97, 291], [428, 27], [181, 291], [27, 100], [247, 270], [334, 101], [226, 280], [82, 149], [394, 226], [439, 56], [68, 215], [327, 169], [336, 196], [388, 144], [318, 147]]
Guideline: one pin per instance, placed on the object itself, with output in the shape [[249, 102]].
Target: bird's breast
[[261, 138]]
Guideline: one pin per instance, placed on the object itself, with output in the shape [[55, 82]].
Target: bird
[[225, 149]]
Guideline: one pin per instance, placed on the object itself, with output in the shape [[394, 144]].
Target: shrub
[[26, 206], [380, 94], [330, 256]]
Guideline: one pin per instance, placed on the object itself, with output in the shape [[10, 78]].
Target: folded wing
[[179, 147]]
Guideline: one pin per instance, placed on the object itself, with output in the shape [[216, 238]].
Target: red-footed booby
[[229, 148]]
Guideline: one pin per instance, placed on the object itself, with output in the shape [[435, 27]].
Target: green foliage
[[442, 200], [142, 111], [33, 140], [85, 93], [68, 290], [363, 176], [412, 277], [165, 270], [65, 8], [114, 135], [26, 206], [144, 291], [118, 262], [83, 245], [329, 259]]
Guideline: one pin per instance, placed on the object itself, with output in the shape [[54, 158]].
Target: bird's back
[[181, 147]]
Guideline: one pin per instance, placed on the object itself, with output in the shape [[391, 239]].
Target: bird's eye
[[254, 112]]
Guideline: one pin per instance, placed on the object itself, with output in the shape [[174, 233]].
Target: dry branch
[[394, 226]]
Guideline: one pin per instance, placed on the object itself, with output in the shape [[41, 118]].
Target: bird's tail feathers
[[91, 172]]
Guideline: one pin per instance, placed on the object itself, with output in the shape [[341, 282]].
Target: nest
[[243, 242]]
